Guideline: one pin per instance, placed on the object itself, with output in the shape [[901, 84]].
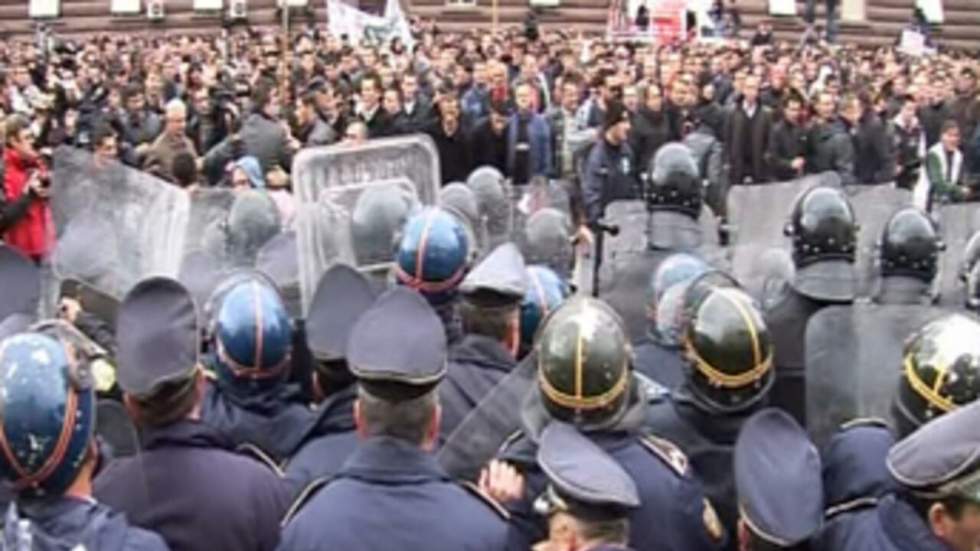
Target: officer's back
[[185, 484], [392, 493]]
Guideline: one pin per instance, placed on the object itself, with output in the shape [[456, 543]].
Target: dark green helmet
[[910, 246], [823, 227], [727, 347], [584, 358], [940, 372]]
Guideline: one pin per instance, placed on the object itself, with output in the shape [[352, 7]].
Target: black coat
[[874, 156], [907, 146], [379, 125], [455, 157], [829, 148], [488, 148], [650, 131], [932, 118], [754, 132], [188, 486], [787, 142]]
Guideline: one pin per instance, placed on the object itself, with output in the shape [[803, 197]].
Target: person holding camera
[[25, 217]]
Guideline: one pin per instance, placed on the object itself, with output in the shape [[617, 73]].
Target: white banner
[[782, 7], [127, 7], [932, 9], [208, 5], [356, 24], [45, 8]]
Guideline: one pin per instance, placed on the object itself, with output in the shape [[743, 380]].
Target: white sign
[[782, 7], [932, 9], [912, 43], [356, 24], [125, 7], [208, 5], [45, 8]]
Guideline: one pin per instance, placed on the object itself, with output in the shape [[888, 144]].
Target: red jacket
[[33, 234]]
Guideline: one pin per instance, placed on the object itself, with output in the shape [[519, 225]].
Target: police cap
[[777, 476], [157, 335], [585, 482], [397, 349], [942, 458], [342, 295], [498, 280]]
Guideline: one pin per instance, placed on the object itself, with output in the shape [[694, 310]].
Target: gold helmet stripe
[[749, 324], [931, 394], [720, 378], [579, 345], [578, 401]]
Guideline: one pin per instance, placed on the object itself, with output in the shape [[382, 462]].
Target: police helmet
[[940, 371], [674, 182], [910, 246], [492, 195], [253, 335], [461, 202], [47, 414], [674, 269], [253, 220], [432, 256], [379, 213], [727, 346], [822, 227], [583, 357], [546, 239], [545, 293]]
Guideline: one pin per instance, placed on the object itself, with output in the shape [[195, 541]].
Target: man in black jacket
[[747, 136], [787, 145], [488, 141], [909, 143], [829, 147], [378, 122], [454, 151], [874, 159]]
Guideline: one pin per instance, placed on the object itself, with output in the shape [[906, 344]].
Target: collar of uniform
[[384, 459], [904, 528], [716, 426], [336, 413], [278, 427], [483, 351], [69, 511], [184, 433]]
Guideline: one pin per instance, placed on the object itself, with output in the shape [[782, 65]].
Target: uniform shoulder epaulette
[[304, 496], [485, 498], [255, 452], [668, 452]]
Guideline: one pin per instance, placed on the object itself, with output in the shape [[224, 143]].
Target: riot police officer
[[940, 371], [823, 231], [777, 475], [658, 355], [186, 483], [546, 239], [936, 504], [610, 172], [589, 496], [392, 493], [585, 378], [432, 259], [489, 306], [342, 296], [250, 400], [50, 456], [494, 201], [908, 252], [728, 372]]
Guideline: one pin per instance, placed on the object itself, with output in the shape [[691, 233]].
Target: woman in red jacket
[[25, 217]]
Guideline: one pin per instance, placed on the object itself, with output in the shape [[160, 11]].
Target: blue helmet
[[47, 414], [676, 268], [252, 333], [432, 256], [545, 293]]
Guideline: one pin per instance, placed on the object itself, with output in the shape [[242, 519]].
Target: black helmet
[[378, 215], [910, 246], [727, 347], [674, 182], [583, 357], [824, 234], [940, 372]]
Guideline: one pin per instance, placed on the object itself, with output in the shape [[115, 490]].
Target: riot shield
[[758, 216], [957, 224], [21, 283], [546, 239], [485, 429], [114, 225], [496, 201], [854, 361], [873, 206], [279, 260], [207, 207]]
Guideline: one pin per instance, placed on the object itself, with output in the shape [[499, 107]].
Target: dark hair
[[262, 95], [169, 403], [404, 419], [614, 531], [949, 124], [953, 505], [488, 322], [333, 376], [372, 77], [184, 169], [101, 132]]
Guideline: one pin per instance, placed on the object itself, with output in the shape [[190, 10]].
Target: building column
[[853, 10]]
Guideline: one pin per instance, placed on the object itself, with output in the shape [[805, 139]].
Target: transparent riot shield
[[957, 224], [854, 361], [496, 201], [758, 216], [114, 225], [546, 238], [873, 206], [353, 201]]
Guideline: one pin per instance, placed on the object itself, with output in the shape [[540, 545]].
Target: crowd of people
[[473, 399]]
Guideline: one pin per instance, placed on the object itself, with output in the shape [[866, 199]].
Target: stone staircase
[[883, 22]]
